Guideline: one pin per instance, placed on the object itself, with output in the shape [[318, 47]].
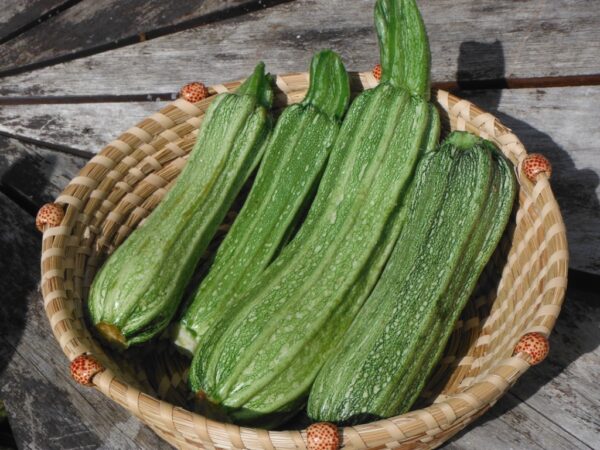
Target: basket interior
[[516, 294]]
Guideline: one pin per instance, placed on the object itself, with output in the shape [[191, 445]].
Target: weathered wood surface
[[91, 25], [47, 410], [35, 175], [570, 372], [560, 123], [85, 127], [562, 390], [488, 39], [16, 14]]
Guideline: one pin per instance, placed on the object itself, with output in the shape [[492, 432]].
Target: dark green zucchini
[[137, 291], [460, 205], [257, 364], [293, 161]]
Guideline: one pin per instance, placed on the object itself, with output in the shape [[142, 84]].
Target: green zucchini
[[293, 161], [139, 288], [460, 205], [257, 364]]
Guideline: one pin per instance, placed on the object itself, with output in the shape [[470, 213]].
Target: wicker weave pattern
[[121, 185]]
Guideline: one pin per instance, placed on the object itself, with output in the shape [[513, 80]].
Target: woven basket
[[520, 292]]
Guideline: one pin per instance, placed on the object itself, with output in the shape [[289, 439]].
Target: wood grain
[[16, 14], [560, 123], [46, 408], [35, 175], [512, 424], [489, 39], [85, 127], [569, 374], [562, 391], [92, 25]]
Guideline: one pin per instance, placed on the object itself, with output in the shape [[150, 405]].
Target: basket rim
[[441, 419]]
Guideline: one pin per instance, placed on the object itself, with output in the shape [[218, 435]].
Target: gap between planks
[[37, 20], [549, 419], [228, 13], [501, 83]]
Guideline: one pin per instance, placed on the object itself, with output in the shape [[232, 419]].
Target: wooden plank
[[34, 175], [46, 408], [565, 386], [487, 40], [85, 127], [16, 14], [91, 26], [560, 123], [512, 424], [558, 399]]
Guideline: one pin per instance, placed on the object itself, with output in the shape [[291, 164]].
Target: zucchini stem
[[403, 46], [329, 89], [259, 85]]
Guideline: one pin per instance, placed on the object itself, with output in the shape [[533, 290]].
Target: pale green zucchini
[[258, 364], [460, 205], [293, 161], [139, 288]]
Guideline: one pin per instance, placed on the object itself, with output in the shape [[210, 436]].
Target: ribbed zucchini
[[460, 205], [258, 364], [293, 161], [137, 291]]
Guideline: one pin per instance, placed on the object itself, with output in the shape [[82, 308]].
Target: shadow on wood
[[571, 337], [575, 189], [19, 264]]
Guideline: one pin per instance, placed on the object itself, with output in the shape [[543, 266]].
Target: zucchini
[[460, 205], [257, 364], [293, 161], [139, 288]]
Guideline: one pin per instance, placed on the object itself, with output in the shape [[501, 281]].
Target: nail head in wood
[[323, 436], [377, 71], [83, 369], [534, 164], [535, 346], [194, 92], [50, 215]]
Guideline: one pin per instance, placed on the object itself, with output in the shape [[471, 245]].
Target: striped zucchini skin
[[293, 162], [460, 204], [494, 219], [259, 365], [403, 46], [137, 291]]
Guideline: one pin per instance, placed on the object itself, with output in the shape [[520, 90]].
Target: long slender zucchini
[[293, 161], [460, 205], [137, 291], [258, 364]]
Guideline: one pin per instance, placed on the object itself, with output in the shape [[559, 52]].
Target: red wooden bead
[[194, 92], [377, 71], [50, 215], [535, 164], [535, 346], [323, 436], [83, 369]]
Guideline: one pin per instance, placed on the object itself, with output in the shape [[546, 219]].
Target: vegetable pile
[[346, 269]]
